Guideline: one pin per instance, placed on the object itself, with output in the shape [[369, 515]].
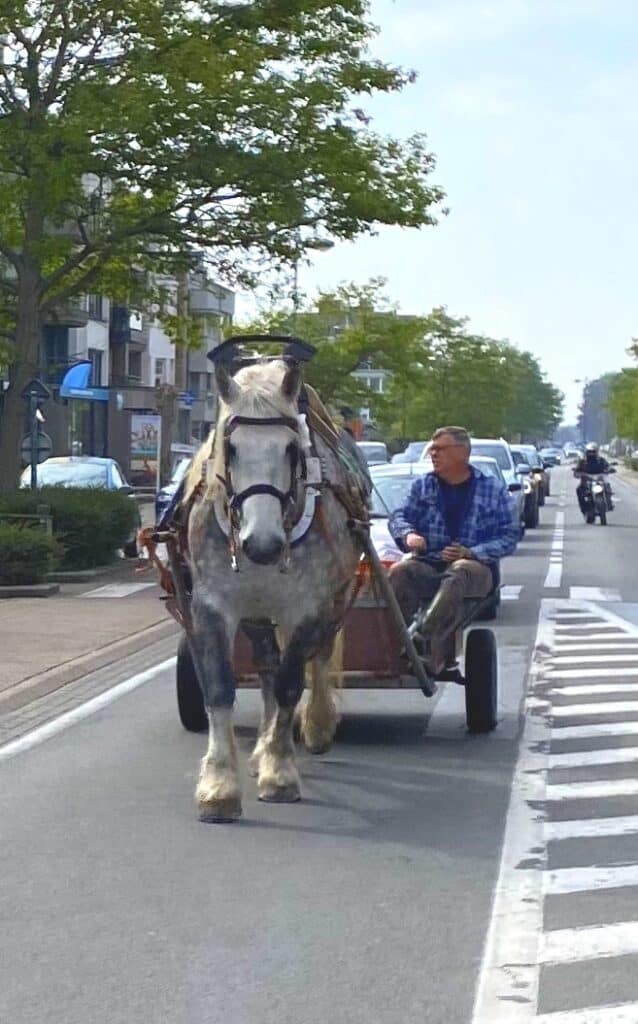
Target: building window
[[95, 307], [95, 358], [194, 383], [135, 366], [160, 372]]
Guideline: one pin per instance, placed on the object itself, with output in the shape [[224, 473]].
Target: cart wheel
[[481, 680], [190, 702]]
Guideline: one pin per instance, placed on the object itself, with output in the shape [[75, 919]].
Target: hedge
[[89, 524], [26, 555]]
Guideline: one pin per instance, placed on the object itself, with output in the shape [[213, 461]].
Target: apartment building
[[132, 366]]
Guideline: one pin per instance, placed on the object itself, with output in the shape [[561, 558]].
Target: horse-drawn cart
[[374, 657], [271, 532]]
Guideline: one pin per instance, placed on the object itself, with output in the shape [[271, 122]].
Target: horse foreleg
[[278, 778], [266, 659], [320, 715], [218, 793]]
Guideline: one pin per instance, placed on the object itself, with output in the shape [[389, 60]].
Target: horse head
[[262, 454]]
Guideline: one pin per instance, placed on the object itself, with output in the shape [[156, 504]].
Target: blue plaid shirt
[[489, 528]]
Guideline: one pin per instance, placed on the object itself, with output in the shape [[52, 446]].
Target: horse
[[246, 571]]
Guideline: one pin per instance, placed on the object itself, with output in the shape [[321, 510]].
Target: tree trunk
[[21, 371]]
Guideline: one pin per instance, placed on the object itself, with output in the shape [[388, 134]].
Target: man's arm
[[506, 534], [403, 520]]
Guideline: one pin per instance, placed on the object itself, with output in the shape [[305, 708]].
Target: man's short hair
[[459, 434]]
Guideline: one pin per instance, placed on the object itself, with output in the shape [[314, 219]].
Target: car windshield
[[534, 459], [390, 492], [489, 467], [493, 451], [79, 474], [374, 452], [180, 471]]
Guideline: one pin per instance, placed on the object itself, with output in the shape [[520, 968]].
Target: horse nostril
[[263, 552]]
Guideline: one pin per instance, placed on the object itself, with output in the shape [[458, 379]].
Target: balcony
[[68, 314], [211, 301]]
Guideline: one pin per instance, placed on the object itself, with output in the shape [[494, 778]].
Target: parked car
[[540, 472], [374, 452], [515, 478], [86, 471], [551, 456], [166, 494], [532, 495], [412, 453]]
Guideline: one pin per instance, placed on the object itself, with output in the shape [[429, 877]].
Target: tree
[[438, 372], [133, 134]]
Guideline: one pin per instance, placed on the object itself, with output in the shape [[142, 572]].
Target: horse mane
[[261, 395]]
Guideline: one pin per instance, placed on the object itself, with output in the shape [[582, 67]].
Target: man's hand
[[455, 553], [415, 542]]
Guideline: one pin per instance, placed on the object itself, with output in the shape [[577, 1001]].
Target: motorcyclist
[[592, 464]]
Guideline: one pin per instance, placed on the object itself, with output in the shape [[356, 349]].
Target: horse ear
[[228, 388], [291, 383]]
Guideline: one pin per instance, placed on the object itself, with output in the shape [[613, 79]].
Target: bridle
[[288, 499]]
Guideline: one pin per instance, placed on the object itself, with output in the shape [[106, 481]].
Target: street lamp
[[319, 245]]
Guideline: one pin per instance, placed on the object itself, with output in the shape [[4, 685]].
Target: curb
[[30, 590], [40, 685], [88, 575]]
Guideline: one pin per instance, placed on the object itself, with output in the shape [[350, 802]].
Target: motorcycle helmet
[[592, 448]]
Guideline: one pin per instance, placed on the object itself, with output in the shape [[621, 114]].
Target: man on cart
[[457, 524]]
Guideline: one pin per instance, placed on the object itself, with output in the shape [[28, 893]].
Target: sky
[[530, 107]]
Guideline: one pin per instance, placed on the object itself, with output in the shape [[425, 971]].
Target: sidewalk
[[46, 644]]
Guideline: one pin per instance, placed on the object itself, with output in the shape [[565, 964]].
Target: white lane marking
[[511, 592], [591, 828], [591, 689], [592, 659], [555, 570], [587, 758], [117, 590], [554, 576], [590, 673], [604, 708], [571, 945], [566, 880], [592, 790], [592, 732], [507, 988], [604, 630], [620, 1013], [602, 643], [62, 722], [594, 594]]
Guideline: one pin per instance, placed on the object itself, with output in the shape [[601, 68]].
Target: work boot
[[434, 624]]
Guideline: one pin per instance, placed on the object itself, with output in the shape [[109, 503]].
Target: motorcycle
[[596, 498]]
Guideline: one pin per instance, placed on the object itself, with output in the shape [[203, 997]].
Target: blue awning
[[75, 384]]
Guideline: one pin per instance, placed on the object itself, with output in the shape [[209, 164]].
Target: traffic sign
[[187, 398], [44, 447], [36, 389]]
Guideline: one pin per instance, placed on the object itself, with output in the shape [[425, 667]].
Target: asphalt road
[[371, 900]]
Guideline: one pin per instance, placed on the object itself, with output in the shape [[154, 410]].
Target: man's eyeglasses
[[434, 448]]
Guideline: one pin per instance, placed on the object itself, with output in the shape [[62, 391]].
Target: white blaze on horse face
[[261, 456]]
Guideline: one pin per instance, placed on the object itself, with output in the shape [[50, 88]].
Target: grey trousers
[[416, 583]]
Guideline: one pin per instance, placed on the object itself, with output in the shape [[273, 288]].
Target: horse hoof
[[220, 811], [319, 746], [271, 794]]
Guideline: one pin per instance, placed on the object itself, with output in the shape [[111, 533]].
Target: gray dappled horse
[[253, 496]]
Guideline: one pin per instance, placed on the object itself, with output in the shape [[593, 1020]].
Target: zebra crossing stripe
[[621, 1013], [571, 945]]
